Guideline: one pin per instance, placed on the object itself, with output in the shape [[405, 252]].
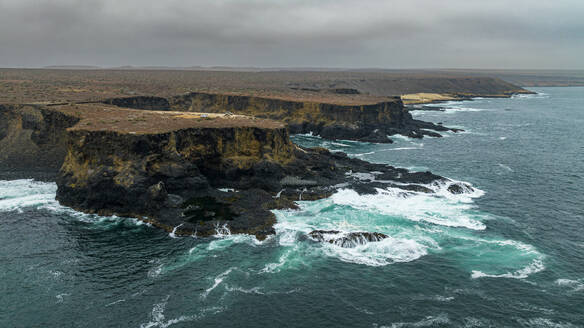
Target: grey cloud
[[343, 33]]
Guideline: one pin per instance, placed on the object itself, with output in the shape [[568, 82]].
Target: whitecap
[[363, 154], [574, 285], [429, 321], [61, 297], [277, 266], [452, 110], [227, 190], [218, 280], [505, 167], [340, 144], [544, 323], [254, 290], [155, 272], [534, 267], [158, 318], [115, 302], [405, 148]]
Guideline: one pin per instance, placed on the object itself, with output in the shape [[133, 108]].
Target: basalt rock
[[32, 138], [372, 122], [346, 239], [459, 188]]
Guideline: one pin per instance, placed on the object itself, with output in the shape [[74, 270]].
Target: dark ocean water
[[509, 255]]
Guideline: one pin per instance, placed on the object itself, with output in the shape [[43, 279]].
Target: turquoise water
[[510, 254]]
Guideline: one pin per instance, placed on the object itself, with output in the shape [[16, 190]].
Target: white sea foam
[[115, 302], [222, 231], [456, 109], [172, 234], [61, 297], [277, 266], [544, 323], [227, 190], [254, 290], [363, 154], [404, 148], [156, 271], [505, 167], [218, 280], [539, 95], [429, 321], [346, 211], [18, 195], [15, 195], [534, 267], [451, 210], [386, 251], [158, 318], [574, 285], [340, 144]]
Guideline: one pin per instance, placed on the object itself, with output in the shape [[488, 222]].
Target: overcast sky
[[294, 33]]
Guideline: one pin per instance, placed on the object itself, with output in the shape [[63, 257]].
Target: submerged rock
[[344, 239]]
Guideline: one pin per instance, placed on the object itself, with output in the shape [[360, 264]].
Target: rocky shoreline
[[188, 173]]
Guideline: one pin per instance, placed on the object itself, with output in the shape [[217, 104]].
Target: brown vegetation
[[340, 87], [98, 117]]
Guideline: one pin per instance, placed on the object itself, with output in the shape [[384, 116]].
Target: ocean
[[509, 254]]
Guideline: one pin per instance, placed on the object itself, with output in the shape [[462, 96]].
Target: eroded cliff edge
[[33, 138], [349, 119]]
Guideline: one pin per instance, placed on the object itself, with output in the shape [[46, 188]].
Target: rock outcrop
[[346, 239], [185, 172], [33, 137], [370, 122]]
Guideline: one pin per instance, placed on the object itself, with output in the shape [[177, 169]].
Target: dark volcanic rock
[[366, 122], [33, 138], [140, 102], [346, 240], [171, 179], [460, 188], [345, 91]]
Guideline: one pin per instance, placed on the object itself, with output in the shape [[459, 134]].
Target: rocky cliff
[[33, 137], [185, 172], [205, 180], [170, 178], [372, 122]]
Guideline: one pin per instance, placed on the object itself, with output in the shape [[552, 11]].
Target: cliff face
[[158, 177], [33, 137], [174, 179], [330, 121], [365, 122], [140, 102]]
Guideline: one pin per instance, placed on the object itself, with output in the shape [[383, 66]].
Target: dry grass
[[424, 98], [97, 117], [56, 85]]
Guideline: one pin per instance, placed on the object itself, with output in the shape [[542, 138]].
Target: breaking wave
[[20, 195], [416, 224]]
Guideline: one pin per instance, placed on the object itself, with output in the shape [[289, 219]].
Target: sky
[[536, 34]]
